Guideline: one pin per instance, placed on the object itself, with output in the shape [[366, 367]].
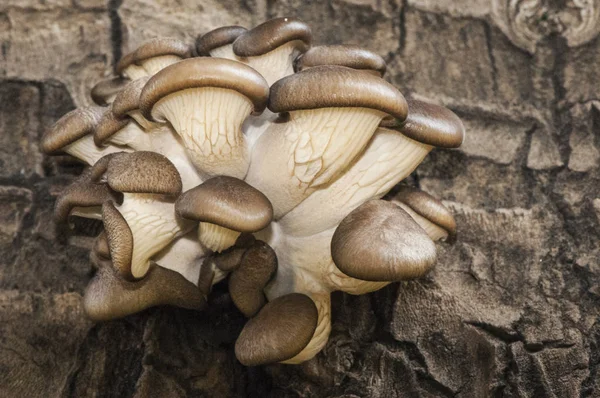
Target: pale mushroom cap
[[154, 48], [430, 124], [218, 38], [343, 55], [205, 72], [103, 91], [331, 86], [128, 100], [228, 202], [120, 239], [379, 241], [428, 207], [71, 127], [281, 329], [143, 172], [272, 34], [108, 126]]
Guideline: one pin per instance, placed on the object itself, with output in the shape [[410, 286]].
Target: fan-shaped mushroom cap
[[128, 99], [228, 202], [427, 211], [152, 56], [278, 332], [430, 124], [110, 297], [343, 55], [380, 242], [104, 92], [213, 42], [82, 198], [120, 239], [101, 248], [247, 282]]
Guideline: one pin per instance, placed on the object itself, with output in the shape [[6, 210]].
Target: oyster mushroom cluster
[[256, 158]]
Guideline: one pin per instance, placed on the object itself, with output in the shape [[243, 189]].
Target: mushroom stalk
[[215, 237]]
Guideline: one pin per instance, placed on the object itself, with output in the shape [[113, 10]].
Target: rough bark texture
[[512, 309]]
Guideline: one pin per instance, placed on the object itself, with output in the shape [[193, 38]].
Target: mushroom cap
[[120, 239], [105, 89], [74, 125], [336, 86], [108, 126], [218, 38], [281, 329], [154, 48], [81, 193], [143, 172], [272, 34], [228, 202], [101, 248], [205, 72], [128, 100], [98, 170], [428, 207], [379, 241], [343, 55], [430, 124]]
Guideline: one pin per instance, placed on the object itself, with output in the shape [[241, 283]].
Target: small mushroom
[[104, 92], [343, 55], [380, 242], [427, 211], [127, 103], [218, 43], [73, 134], [333, 112], [280, 331], [109, 297], [206, 101], [272, 46], [120, 131], [152, 56], [225, 207]]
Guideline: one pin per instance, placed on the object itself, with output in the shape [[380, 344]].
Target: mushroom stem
[[275, 64], [255, 126], [215, 237], [184, 255], [133, 137], [87, 151]]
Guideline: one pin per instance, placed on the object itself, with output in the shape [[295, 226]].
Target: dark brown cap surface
[[336, 86], [108, 126], [128, 100], [205, 72], [120, 239], [71, 127], [272, 34], [106, 89], [228, 202], [154, 48], [343, 55], [379, 241], [218, 38]]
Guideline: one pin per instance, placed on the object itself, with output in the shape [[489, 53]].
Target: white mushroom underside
[[185, 256], [134, 72], [255, 126], [389, 158], [155, 64], [275, 64], [434, 231], [93, 212], [84, 149], [209, 121], [215, 237], [224, 52], [153, 226], [132, 136]]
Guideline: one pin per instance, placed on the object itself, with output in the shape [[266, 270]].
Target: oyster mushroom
[[206, 100], [218, 43], [272, 46], [225, 207], [344, 55], [333, 112], [151, 57], [104, 92]]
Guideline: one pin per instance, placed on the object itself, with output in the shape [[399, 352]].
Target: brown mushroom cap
[[343, 55], [218, 38], [154, 48], [101, 248], [336, 86], [143, 172], [128, 100], [427, 207], [272, 34], [110, 297], [82, 193], [108, 88], [246, 283], [430, 124], [108, 126], [205, 72], [228, 202], [120, 239], [379, 241], [71, 127], [98, 170], [279, 331]]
